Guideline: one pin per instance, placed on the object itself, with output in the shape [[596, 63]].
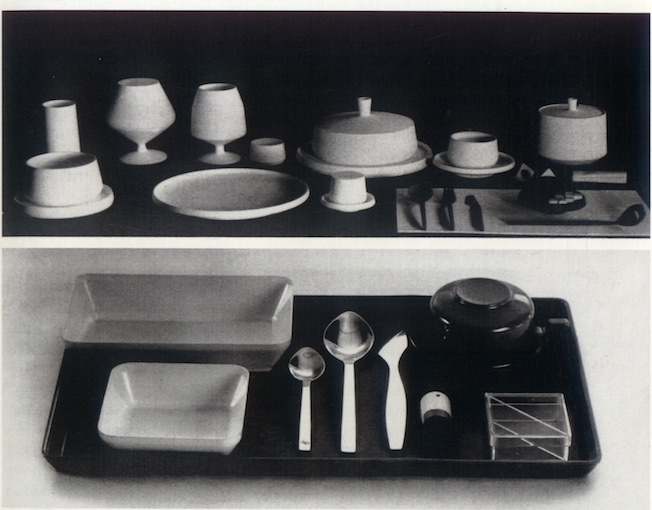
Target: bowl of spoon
[[306, 366], [348, 338]]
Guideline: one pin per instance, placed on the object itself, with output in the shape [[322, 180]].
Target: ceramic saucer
[[505, 162], [417, 162], [103, 201], [367, 204]]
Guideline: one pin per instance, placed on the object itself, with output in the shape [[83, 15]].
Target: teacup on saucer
[[472, 149], [348, 193]]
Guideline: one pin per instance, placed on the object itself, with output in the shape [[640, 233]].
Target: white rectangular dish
[[174, 406], [242, 320]]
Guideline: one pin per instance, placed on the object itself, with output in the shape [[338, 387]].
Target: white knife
[[396, 403]]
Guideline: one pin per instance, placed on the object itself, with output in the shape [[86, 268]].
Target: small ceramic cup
[[61, 127], [63, 179], [348, 188], [472, 149], [269, 151]]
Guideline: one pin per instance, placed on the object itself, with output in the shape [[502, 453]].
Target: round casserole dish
[[365, 138]]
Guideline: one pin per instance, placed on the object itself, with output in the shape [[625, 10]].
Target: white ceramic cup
[[270, 151], [472, 149], [348, 188], [61, 127], [63, 179]]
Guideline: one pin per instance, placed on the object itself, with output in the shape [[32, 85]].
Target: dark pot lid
[[482, 304]]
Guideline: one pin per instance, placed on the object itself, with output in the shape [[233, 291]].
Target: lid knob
[[483, 293], [572, 104], [364, 106]]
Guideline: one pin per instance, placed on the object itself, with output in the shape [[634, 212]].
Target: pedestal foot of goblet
[[220, 158], [148, 157]]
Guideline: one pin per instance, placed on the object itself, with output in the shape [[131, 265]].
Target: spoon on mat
[[306, 366], [348, 338], [631, 216], [420, 194]]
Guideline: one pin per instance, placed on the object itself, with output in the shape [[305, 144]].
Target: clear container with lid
[[528, 426]]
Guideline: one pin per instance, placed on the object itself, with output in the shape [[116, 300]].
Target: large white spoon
[[348, 338], [306, 365]]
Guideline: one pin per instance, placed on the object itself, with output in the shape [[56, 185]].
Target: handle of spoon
[[395, 410], [348, 439], [305, 420]]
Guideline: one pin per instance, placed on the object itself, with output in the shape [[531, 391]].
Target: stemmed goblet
[[218, 117], [141, 111]]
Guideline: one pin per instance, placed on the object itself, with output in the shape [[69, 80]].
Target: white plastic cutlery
[[396, 403], [348, 338]]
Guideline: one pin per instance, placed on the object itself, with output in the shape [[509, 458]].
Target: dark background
[[447, 71]]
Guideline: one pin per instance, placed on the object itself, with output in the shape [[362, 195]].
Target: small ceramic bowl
[[472, 149], [63, 178], [269, 151]]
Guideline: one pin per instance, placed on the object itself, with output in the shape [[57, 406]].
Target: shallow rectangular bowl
[[174, 406], [241, 320]]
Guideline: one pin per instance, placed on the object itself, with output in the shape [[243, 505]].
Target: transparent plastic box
[[242, 320], [528, 426]]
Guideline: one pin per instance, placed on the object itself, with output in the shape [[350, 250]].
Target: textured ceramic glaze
[[269, 151], [505, 163], [218, 117], [348, 193], [231, 193], [365, 138], [473, 149], [63, 179], [348, 188], [141, 111], [61, 126], [572, 134]]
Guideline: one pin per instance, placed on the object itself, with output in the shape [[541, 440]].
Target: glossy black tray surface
[[269, 443]]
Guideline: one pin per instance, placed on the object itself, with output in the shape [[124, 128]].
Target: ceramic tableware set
[[64, 182], [67, 185], [350, 147]]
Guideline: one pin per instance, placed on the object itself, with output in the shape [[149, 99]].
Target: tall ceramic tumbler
[[218, 117], [141, 111], [61, 127]]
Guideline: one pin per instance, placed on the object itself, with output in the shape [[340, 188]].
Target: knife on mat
[[475, 210]]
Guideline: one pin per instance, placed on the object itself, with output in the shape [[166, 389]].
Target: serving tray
[[269, 443]]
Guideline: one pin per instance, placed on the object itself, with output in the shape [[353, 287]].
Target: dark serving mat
[[269, 443]]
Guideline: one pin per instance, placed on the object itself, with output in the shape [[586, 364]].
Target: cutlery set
[[349, 338]]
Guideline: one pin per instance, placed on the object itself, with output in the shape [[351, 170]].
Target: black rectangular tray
[[269, 443]]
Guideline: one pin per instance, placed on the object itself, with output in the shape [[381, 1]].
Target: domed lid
[[571, 110], [482, 304], [365, 122]]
